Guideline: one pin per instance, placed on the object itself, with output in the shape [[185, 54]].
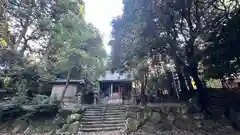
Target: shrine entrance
[[115, 88]]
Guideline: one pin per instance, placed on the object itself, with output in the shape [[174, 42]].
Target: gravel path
[[172, 132]]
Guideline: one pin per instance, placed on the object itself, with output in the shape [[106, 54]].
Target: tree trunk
[[223, 83], [181, 78], [45, 58], [1, 9], [188, 79], [170, 82], [143, 88], [24, 29], [192, 71], [3, 23], [202, 91], [185, 84], [142, 92], [46, 53], [66, 85]]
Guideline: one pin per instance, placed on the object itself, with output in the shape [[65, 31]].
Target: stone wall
[[46, 121], [168, 116], [72, 120]]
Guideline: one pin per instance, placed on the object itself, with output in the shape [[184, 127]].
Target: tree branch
[[181, 27], [66, 85], [24, 27], [198, 18]]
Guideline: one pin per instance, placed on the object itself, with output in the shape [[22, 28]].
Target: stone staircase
[[103, 118]]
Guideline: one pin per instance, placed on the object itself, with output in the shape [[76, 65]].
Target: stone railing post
[[79, 98], [134, 99], [95, 98]]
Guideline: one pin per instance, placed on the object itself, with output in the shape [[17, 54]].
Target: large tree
[[171, 28]]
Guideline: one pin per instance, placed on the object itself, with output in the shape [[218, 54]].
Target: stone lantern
[[79, 98]]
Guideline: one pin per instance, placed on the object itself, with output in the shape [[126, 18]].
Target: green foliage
[[3, 43], [171, 32], [6, 82], [222, 57], [81, 50], [46, 40], [213, 83], [40, 99], [21, 97], [22, 88], [3, 25]]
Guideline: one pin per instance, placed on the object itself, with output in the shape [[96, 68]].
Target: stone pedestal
[[95, 97], [134, 100], [79, 98]]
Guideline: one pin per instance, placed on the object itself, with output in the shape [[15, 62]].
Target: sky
[[101, 13]]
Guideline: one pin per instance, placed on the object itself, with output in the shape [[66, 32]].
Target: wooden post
[[111, 90]]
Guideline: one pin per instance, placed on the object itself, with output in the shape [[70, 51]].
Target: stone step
[[105, 106], [103, 119], [100, 129], [94, 113], [92, 117], [115, 111], [100, 125], [90, 111], [103, 116], [95, 109], [105, 113], [100, 109], [100, 116], [113, 106], [103, 122], [114, 118], [102, 113], [94, 105]]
